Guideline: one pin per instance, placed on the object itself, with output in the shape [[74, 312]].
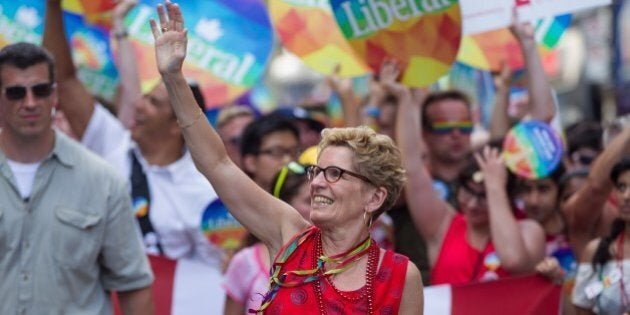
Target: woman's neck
[[478, 236], [337, 241]]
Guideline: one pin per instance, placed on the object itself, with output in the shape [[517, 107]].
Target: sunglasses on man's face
[[18, 92], [447, 127]]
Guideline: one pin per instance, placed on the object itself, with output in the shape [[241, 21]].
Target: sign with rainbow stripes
[[532, 149]]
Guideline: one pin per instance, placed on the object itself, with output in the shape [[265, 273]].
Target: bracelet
[[194, 121], [121, 34]]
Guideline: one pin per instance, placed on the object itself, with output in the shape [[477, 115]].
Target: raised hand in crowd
[[500, 122], [587, 211], [129, 89], [542, 105], [486, 225], [345, 197], [351, 104]]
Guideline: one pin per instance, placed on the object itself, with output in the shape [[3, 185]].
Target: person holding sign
[[483, 241], [321, 267]]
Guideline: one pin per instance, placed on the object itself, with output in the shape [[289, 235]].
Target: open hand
[[493, 167], [388, 77], [170, 38]]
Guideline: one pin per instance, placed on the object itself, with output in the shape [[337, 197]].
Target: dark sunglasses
[[18, 92], [464, 127], [332, 174]]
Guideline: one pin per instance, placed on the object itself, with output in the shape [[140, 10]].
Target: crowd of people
[[345, 220]]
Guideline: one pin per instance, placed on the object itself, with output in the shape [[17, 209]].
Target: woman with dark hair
[[480, 241], [603, 279]]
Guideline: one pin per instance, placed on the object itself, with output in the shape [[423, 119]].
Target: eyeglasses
[[447, 127], [470, 194], [280, 152], [332, 174], [293, 167], [18, 92]]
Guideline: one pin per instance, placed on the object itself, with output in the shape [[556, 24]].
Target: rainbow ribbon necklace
[[344, 261]]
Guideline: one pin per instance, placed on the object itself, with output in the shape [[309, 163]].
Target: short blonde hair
[[376, 156]]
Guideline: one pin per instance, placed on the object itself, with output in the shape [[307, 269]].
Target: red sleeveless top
[[460, 263], [388, 285]]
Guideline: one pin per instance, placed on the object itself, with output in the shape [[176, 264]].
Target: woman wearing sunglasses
[[331, 265]]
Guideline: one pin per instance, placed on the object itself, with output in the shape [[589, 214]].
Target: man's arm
[[74, 99], [129, 90], [136, 302]]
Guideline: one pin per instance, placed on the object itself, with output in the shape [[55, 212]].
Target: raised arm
[[129, 90], [350, 102], [74, 99], [268, 218], [542, 106], [430, 214], [500, 122], [584, 210], [519, 245]]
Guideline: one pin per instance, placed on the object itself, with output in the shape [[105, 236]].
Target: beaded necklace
[[367, 291], [344, 261]]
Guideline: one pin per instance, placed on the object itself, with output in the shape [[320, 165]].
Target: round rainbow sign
[[532, 149]]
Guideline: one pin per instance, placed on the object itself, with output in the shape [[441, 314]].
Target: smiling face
[[154, 118], [27, 118], [344, 201]]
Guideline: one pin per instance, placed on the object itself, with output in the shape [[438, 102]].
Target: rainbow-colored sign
[[308, 29], [229, 44], [532, 149], [24, 21], [487, 50], [221, 228], [423, 36]]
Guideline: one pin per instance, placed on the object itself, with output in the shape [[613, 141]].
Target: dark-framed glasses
[[332, 174], [18, 92]]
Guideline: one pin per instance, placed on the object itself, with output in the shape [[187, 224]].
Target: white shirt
[[24, 176], [179, 193]]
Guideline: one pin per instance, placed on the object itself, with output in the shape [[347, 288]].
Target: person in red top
[[358, 176], [483, 240]]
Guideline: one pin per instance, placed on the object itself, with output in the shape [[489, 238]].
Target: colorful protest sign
[[24, 21], [489, 49], [532, 149], [221, 228], [422, 36], [488, 15], [229, 44], [308, 29]]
